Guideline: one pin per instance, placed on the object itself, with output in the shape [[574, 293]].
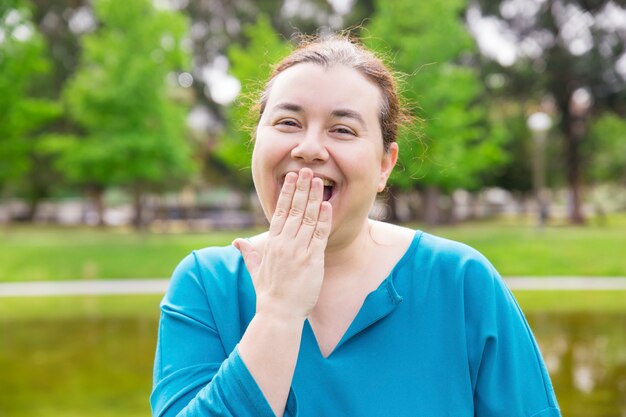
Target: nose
[[310, 148]]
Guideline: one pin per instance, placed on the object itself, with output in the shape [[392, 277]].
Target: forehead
[[317, 88]]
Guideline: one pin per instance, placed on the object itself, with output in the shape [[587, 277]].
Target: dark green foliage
[[455, 142], [251, 64], [135, 132], [24, 111]]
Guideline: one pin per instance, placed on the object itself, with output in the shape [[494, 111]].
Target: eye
[[287, 123], [343, 130]]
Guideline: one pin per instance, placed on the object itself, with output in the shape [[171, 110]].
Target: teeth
[[328, 183]]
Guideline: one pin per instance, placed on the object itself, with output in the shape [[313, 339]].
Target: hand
[[288, 275]]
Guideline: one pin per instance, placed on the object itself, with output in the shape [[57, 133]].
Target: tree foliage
[[454, 145], [134, 132], [608, 136], [251, 64], [218, 24], [570, 51], [22, 111]]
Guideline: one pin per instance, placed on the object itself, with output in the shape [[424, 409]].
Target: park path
[[158, 286]]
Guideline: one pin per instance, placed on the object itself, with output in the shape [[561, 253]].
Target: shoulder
[[452, 254], [450, 266], [207, 269], [431, 251], [425, 249], [448, 249], [210, 258], [222, 258], [391, 235]]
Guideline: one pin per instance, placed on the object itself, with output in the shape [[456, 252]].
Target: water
[[102, 367], [586, 357]]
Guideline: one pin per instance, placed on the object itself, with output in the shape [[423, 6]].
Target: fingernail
[[291, 177]]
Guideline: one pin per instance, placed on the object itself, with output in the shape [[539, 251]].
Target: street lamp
[[539, 124]]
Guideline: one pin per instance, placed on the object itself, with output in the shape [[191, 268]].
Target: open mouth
[[328, 189]]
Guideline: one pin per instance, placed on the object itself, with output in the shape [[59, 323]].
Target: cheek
[[256, 169], [264, 162], [365, 164], [261, 156], [268, 148]]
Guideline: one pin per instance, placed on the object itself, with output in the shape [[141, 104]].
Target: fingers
[[298, 203], [284, 204], [300, 211], [311, 212], [322, 228], [251, 257]]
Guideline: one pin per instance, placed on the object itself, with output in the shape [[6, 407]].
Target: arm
[[508, 372], [195, 374], [198, 370], [288, 278]]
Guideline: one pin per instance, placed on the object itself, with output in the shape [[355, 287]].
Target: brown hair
[[341, 50]]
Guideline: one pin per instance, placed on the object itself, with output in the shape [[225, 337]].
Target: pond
[[102, 367]]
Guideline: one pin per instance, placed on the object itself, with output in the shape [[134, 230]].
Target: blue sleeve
[[508, 374], [194, 374]]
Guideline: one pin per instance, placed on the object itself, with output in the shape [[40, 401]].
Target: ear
[[390, 157]]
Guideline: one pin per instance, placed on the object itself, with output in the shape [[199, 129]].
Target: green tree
[[455, 146], [134, 132], [251, 65], [608, 136], [216, 26], [23, 113], [571, 51]]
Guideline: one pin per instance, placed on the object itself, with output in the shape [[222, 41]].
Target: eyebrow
[[289, 107], [351, 114], [338, 113]]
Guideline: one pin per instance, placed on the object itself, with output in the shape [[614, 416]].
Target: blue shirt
[[441, 336]]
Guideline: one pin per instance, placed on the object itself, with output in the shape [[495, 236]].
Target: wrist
[[275, 312]]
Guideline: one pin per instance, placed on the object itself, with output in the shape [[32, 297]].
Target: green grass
[[46, 254], [54, 253], [517, 249]]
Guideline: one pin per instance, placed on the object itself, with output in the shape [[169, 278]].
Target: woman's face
[[325, 119]]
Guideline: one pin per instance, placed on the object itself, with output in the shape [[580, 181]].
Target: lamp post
[[539, 124]]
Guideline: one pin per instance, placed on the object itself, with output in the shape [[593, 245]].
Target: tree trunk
[[96, 195], [432, 214], [451, 210], [572, 140], [36, 191], [33, 204], [138, 220], [574, 115]]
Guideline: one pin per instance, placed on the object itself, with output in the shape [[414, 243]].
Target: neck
[[347, 251]]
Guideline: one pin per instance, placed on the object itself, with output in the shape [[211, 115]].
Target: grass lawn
[[564, 250], [53, 253], [30, 253]]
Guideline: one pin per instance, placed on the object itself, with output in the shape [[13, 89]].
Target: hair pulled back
[[341, 50]]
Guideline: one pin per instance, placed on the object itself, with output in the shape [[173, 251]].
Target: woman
[[330, 313]]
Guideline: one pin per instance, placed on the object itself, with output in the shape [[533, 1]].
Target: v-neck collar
[[378, 304]]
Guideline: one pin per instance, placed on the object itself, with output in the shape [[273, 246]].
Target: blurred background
[[125, 144]]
